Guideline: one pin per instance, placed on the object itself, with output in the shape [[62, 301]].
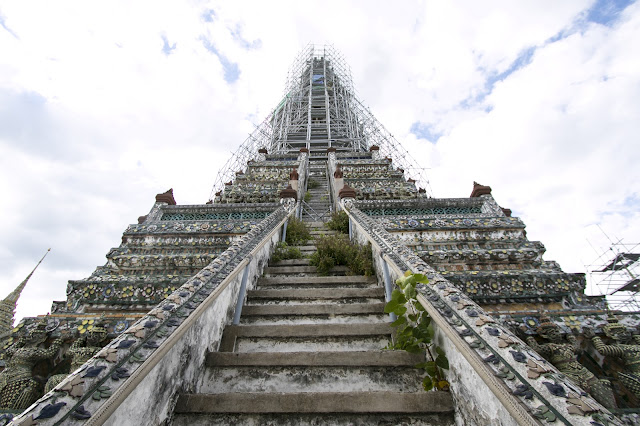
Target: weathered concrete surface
[[475, 403], [352, 309], [394, 419], [316, 402], [311, 378], [320, 293], [309, 281], [357, 359]]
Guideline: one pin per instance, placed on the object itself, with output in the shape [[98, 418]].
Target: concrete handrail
[[486, 355], [183, 299]]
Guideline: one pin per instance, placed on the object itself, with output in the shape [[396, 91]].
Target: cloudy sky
[[105, 104]]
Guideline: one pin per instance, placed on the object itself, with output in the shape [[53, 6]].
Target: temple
[[222, 313]]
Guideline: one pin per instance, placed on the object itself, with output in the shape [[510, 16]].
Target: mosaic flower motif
[[168, 290], [572, 322], [472, 287], [89, 290], [148, 290], [109, 291], [85, 326], [120, 326], [127, 291], [517, 287], [531, 322], [413, 223]]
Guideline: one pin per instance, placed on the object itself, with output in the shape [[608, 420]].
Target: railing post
[[241, 293], [388, 285], [284, 231], [351, 230]]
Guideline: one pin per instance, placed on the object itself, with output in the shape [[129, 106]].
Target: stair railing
[[141, 371], [518, 377]]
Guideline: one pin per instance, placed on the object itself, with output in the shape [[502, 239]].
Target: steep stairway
[[318, 208], [308, 351]]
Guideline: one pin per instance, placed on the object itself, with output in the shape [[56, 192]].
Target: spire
[[8, 305]]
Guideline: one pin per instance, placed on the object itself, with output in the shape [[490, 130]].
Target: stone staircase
[[308, 351], [318, 208]]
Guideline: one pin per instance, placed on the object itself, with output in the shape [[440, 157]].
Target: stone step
[[316, 224], [356, 359], [316, 402], [312, 419], [283, 270], [323, 232], [307, 280], [377, 318], [372, 342], [340, 294], [326, 309], [290, 262], [305, 337], [311, 378]]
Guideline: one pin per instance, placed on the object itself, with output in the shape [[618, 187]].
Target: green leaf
[[410, 292], [400, 310], [399, 321], [398, 297], [419, 278], [413, 317], [425, 321], [389, 307], [442, 362], [430, 368], [427, 383], [440, 351]]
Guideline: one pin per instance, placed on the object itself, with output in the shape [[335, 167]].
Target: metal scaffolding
[[319, 110], [616, 274]]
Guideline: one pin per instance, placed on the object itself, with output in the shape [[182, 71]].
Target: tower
[[181, 275], [8, 305]]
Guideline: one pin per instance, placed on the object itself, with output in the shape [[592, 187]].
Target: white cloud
[[97, 119]]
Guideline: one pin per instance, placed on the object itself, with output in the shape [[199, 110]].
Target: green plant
[[339, 222], [414, 333], [284, 251], [307, 196], [312, 184], [333, 250], [297, 232]]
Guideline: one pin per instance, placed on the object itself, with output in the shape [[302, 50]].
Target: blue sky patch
[[209, 15], [166, 48], [231, 69], [425, 131], [9, 30], [606, 12], [238, 38]]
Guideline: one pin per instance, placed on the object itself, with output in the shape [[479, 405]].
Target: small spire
[[8, 305]]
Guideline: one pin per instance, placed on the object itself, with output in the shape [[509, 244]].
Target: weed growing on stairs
[[339, 222], [333, 250], [284, 251], [307, 197], [414, 333], [312, 184], [297, 232]]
